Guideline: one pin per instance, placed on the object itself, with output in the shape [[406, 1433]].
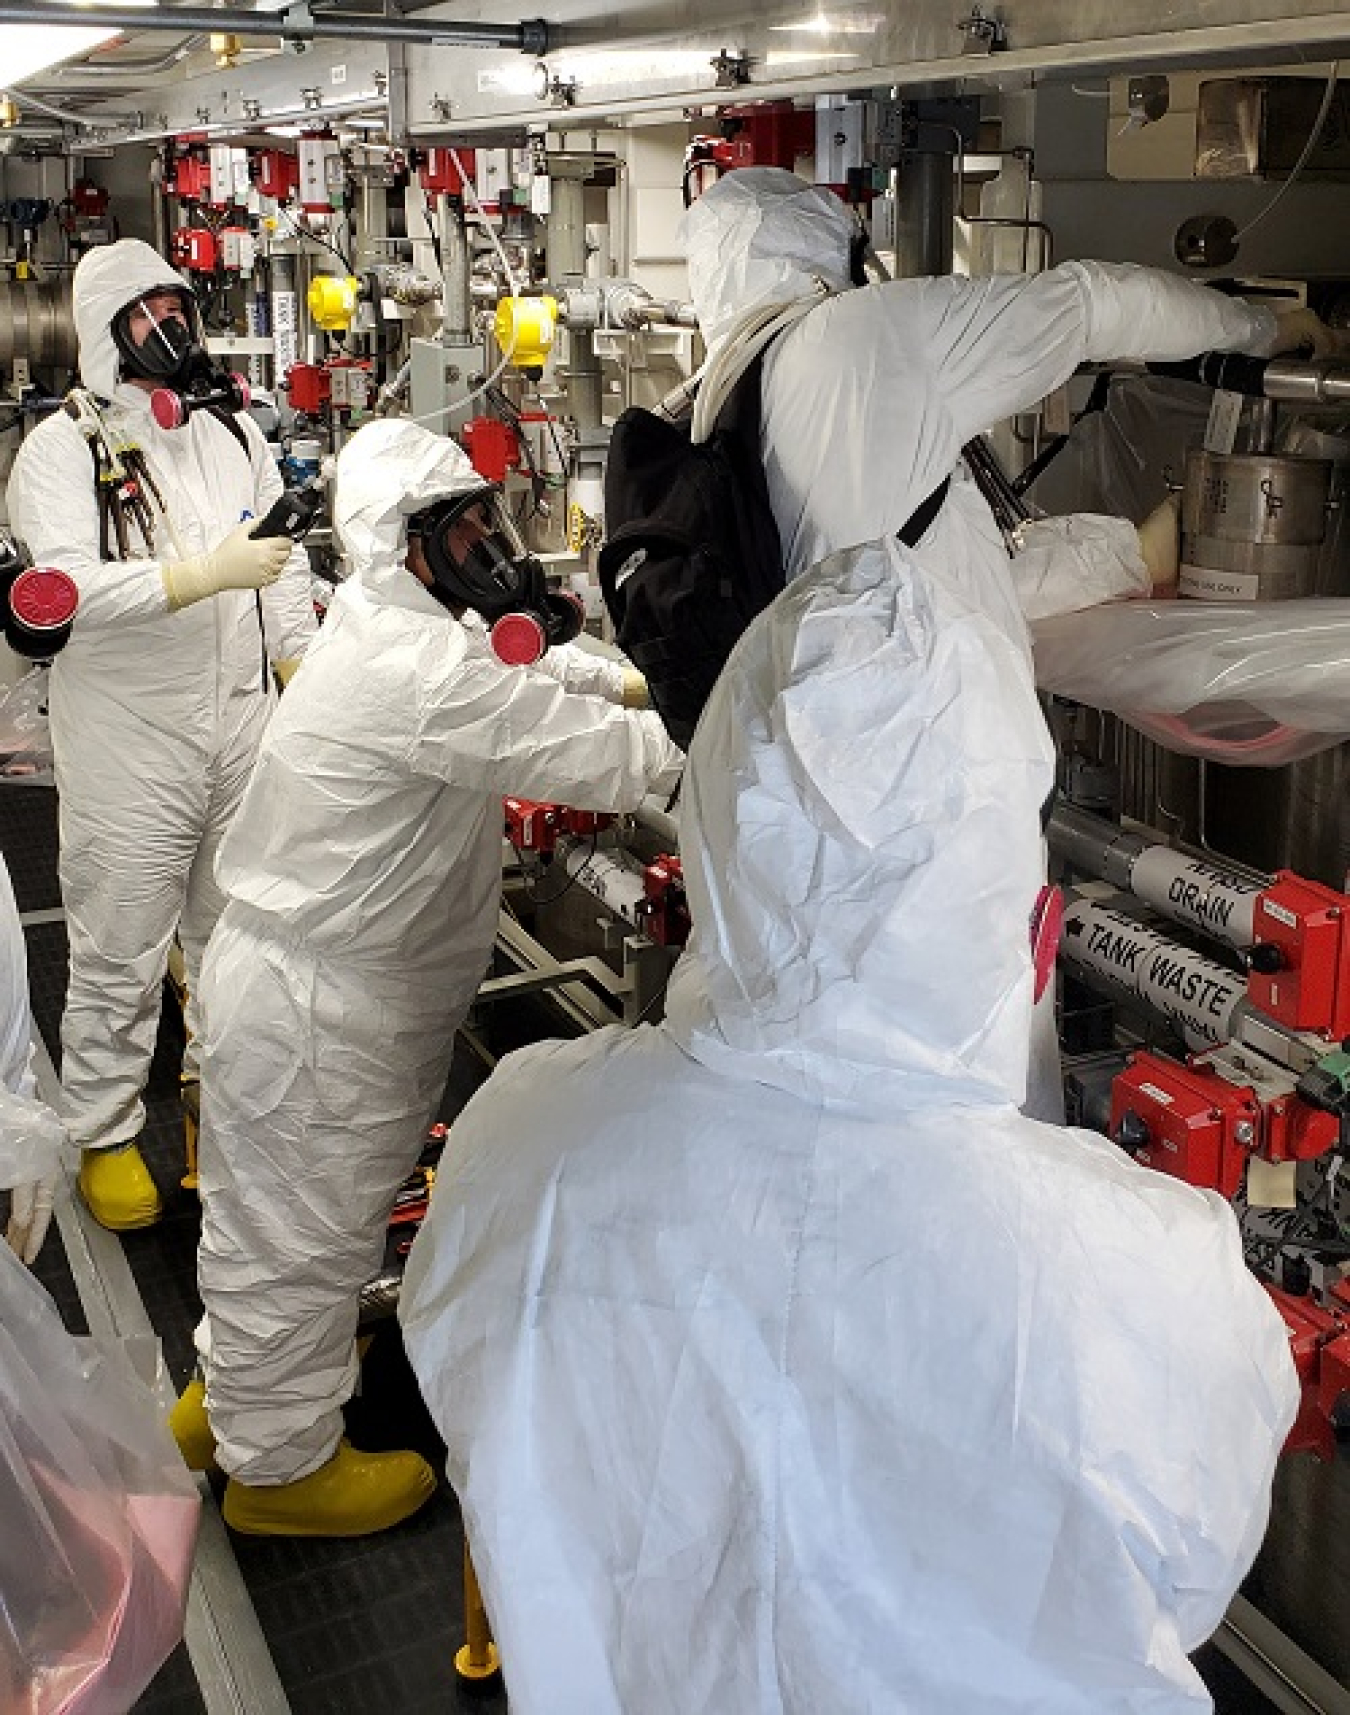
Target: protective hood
[[860, 832], [385, 473], [762, 236], [106, 280]]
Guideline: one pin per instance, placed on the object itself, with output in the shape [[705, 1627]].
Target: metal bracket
[[730, 70], [560, 92], [984, 35]]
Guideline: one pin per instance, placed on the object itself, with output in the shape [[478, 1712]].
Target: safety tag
[[1270, 1184], [1224, 414]]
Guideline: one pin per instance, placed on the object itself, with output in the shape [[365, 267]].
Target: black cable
[[435, 236], [553, 898], [308, 232]]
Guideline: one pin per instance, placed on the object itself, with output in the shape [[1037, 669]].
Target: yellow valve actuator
[[332, 301], [524, 329]]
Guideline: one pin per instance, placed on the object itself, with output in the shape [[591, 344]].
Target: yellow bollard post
[[477, 1663]]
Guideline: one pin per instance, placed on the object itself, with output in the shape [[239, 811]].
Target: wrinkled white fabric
[[155, 716], [869, 399], [777, 1327], [30, 1133], [363, 877], [1210, 678], [1105, 555]]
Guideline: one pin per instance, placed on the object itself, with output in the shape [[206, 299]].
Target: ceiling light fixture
[[27, 49]]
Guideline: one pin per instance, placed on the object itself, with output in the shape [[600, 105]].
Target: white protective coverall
[[363, 877], [155, 716], [784, 1366], [868, 401]]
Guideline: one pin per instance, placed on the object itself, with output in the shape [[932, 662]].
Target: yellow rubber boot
[[192, 1428], [117, 1186], [354, 1494]]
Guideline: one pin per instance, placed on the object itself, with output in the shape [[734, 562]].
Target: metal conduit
[[99, 122], [137, 68], [530, 36]]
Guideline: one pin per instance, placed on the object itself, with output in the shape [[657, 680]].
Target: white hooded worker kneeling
[[362, 879], [784, 1366]]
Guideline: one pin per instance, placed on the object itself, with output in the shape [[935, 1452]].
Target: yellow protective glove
[[1160, 545], [1305, 332], [635, 690], [286, 669], [240, 562]]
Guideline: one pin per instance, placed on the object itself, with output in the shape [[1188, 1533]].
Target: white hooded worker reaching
[[364, 875], [869, 399], [160, 697], [784, 1366]]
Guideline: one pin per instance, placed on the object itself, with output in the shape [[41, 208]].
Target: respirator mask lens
[[483, 545], [158, 334], [476, 555]]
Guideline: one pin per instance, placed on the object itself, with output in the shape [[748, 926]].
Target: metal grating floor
[[370, 1627]]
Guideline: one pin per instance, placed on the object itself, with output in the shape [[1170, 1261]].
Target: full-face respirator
[[477, 560], [159, 338]]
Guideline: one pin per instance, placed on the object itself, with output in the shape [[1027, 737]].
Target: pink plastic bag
[[98, 1518]]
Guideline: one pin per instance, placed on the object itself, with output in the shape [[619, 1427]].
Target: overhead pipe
[[66, 115], [1282, 378], [530, 36]]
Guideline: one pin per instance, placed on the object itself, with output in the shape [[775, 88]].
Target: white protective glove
[[31, 1138], [240, 562], [30, 1214]]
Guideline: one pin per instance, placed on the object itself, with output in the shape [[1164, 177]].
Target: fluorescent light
[[838, 24], [283, 130], [360, 124], [140, 5], [27, 49]]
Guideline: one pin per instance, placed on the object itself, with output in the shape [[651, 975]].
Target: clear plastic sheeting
[[97, 1514], [1248, 684], [25, 735]]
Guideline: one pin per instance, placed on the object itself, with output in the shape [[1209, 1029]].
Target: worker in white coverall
[[363, 875], [784, 1365], [869, 399], [160, 697]]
